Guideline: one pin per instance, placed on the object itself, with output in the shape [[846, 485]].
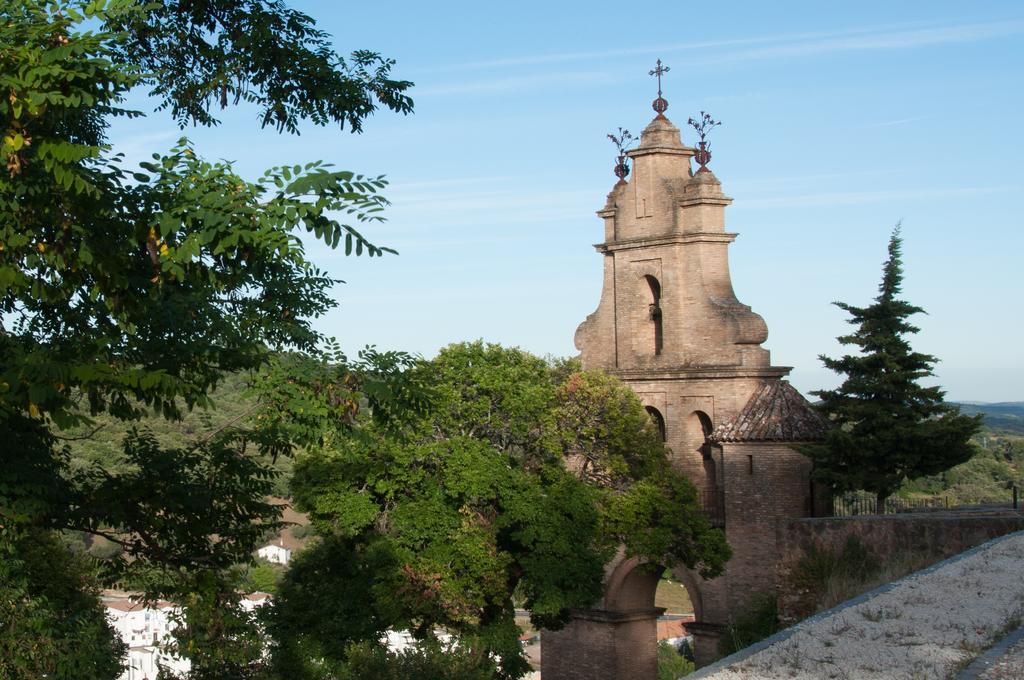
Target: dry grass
[[839, 588], [673, 597]]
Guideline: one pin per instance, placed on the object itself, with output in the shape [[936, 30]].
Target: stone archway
[[617, 639]]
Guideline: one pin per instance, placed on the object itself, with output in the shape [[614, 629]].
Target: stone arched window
[[705, 427], [654, 309], [698, 430], [658, 419]]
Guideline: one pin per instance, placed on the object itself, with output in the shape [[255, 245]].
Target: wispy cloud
[[774, 183], [865, 197], [449, 182], [511, 213], [898, 121], [508, 207], [533, 81], [880, 40], [595, 55], [726, 51], [725, 43], [134, 145]]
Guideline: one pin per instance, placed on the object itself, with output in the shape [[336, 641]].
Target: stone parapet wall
[[926, 625], [935, 534]]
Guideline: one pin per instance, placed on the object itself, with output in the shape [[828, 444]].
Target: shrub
[[262, 577], [672, 664], [823, 574], [759, 621], [428, 660]]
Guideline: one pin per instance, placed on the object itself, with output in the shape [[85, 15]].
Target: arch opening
[[698, 429], [708, 457], [654, 310], [673, 598], [659, 420]]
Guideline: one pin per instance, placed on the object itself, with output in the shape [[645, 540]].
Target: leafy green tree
[[216, 53], [130, 291], [52, 624], [516, 485], [671, 664], [218, 637], [263, 578], [427, 660], [423, 660], [889, 427]]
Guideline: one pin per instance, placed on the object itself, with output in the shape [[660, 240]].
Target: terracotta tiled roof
[[775, 412], [674, 627], [126, 605], [257, 596]]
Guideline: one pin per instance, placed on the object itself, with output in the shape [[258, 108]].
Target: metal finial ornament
[[621, 142], [659, 104], [703, 126]]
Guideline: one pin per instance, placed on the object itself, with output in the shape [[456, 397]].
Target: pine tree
[[889, 428]]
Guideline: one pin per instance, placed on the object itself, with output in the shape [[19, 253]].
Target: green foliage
[[262, 577], [889, 428], [672, 664], [427, 660], [308, 400], [997, 465], [51, 622], [124, 288], [518, 480], [178, 510], [221, 640], [814, 575], [334, 593], [235, 407], [201, 55], [824, 577], [130, 291], [760, 620], [1006, 418]]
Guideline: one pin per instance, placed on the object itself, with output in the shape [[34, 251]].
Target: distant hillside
[[101, 441], [1003, 417]]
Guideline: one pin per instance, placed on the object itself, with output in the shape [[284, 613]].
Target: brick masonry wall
[[939, 534], [765, 484], [602, 647]]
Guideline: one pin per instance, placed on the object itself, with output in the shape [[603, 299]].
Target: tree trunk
[[880, 503]]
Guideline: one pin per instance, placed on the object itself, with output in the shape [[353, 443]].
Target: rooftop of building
[[775, 412]]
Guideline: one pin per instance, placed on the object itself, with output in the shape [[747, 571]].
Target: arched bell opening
[[709, 458], [698, 431], [659, 420], [654, 311]]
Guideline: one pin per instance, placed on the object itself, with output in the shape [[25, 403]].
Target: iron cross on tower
[[659, 104]]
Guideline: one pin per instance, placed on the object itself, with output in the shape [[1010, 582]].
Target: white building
[[254, 600], [146, 631], [277, 554]]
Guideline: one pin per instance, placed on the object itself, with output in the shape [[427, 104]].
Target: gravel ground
[[927, 625]]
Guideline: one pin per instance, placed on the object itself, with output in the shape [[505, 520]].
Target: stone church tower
[[670, 326]]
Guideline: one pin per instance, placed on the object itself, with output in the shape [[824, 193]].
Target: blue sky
[[839, 119]]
